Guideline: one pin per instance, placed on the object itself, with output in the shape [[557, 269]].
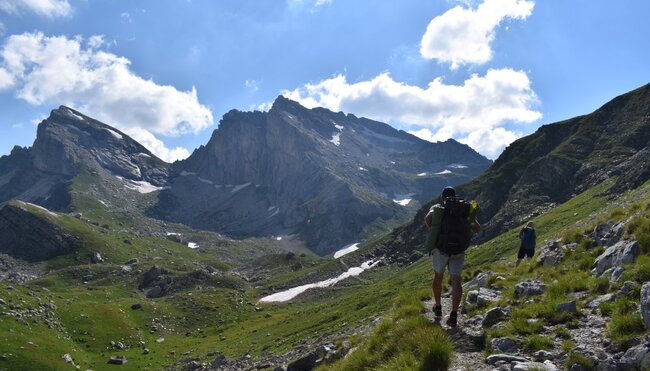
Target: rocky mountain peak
[[322, 175], [67, 143]]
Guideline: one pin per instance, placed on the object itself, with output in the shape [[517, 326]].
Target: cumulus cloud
[[474, 112], [58, 70], [47, 8], [156, 145], [463, 35]]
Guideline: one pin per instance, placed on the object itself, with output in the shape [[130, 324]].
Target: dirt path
[[469, 356]]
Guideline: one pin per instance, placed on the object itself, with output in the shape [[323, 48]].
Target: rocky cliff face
[[32, 235], [68, 142], [567, 158], [322, 175], [551, 165]]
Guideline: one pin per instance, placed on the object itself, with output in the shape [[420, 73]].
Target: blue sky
[[484, 72]]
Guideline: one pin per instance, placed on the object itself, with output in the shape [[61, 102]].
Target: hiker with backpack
[[527, 245], [451, 224]]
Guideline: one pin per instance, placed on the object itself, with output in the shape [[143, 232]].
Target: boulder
[[537, 366], [117, 360], [567, 307], [493, 316], [616, 274], [620, 254], [607, 234], [530, 288], [628, 289], [543, 355], [507, 358], [551, 254], [482, 297], [481, 280], [599, 300], [637, 357], [96, 258], [505, 345], [645, 304], [309, 361]]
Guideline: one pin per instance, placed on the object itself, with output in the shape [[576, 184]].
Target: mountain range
[[322, 179], [104, 260]]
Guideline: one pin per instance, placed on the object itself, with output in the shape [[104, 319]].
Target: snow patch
[[115, 134], [444, 172], [240, 187], [457, 166], [192, 245], [73, 115], [278, 238], [276, 212], [293, 292], [362, 168], [143, 155], [422, 174], [336, 139], [207, 181], [403, 199], [139, 185], [346, 250]]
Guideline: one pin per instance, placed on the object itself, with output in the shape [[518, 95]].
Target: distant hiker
[[452, 224], [527, 246]]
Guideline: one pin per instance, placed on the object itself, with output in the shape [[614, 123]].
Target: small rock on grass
[[117, 360]]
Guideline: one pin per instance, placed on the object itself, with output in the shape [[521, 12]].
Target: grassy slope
[[219, 318]]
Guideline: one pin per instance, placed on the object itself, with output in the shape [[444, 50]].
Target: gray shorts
[[440, 261]]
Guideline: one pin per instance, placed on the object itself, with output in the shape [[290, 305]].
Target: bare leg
[[437, 287], [456, 291]]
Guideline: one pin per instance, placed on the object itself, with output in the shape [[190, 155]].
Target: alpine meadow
[[422, 185]]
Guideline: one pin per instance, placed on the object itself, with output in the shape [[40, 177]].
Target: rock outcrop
[[28, 232]]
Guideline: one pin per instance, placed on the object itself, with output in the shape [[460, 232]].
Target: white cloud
[[47, 8], [6, 79], [481, 104], [315, 3], [156, 146], [58, 70], [126, 17], [96, 41], [252, 85], [463, 35]]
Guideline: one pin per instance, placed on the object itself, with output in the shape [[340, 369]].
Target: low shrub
[[539, 342], [562, 333], [577, 358]]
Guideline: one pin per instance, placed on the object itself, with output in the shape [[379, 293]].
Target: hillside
[[558, 161]]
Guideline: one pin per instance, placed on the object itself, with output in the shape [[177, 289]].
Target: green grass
[[624, 327], [577, 358], [405, 340], [538, 342]]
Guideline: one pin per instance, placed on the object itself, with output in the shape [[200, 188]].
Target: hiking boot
[[437, 311], [452, 321]]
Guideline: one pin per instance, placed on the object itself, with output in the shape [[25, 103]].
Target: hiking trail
[[469, 352]]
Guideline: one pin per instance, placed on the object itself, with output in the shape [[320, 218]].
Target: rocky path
[[469, 354]]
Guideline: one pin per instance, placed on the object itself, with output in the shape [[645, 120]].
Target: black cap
[[448, 192]]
